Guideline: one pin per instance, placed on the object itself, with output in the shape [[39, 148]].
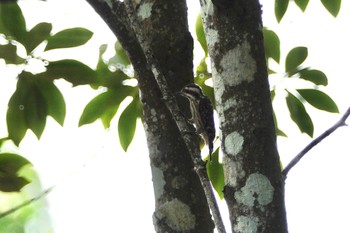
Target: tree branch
[[170, 101], [122, 20], [20, 206], [317, 140]]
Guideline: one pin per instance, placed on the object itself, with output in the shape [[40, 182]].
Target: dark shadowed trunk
[[254, 190], [180, 201]]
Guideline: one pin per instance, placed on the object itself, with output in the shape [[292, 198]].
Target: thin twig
[[317, 140], [20, 206], [199, 165]]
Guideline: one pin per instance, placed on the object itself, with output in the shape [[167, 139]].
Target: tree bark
[[180, 202], [254, 189]]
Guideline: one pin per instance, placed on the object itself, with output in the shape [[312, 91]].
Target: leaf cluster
[[36, 96], [296, 97], [281, 6]]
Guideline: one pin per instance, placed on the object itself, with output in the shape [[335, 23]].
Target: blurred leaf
[[272, 45], [72, 71], [280, 9], [12, 183], [120, 60], [68, 38], [315, 76], [35, 107], [215, 172], [299, 115], [56, 106], [209, 92], [101, 64], [295, 57], [16, 119], [202, 68], [11, 163], [302, 4], [319, 100], [333, 6], [269, 71], [201, 35], [104, 106], [127, 124], [12, 21], [273, 94], [28, 107], [8, 52], [37, 35]]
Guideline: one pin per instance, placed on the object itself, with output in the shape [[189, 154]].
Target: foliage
[[281, 6], [216, 173], [17, 174], [37, 96], [10, 165]]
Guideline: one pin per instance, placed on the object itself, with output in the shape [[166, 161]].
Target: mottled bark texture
[[254, 190], [180, 202]]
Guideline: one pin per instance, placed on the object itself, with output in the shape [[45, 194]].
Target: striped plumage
[[202, 113]]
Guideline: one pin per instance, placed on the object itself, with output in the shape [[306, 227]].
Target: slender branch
[[20, 206], [170, 101], [317, 140], [123, 21]]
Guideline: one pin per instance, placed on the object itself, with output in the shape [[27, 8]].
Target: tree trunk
[[162, 27], [254, 190]]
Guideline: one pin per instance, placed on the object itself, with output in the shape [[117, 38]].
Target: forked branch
[[317, 140]]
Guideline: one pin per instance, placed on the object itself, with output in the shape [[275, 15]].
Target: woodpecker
[[202, 113]]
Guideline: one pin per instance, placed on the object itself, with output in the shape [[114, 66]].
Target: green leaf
[[27, 109], [120, 60], [315, 76], [101, 64], [35, 107], [319, 99], [68, 38], [127, 124], [12, 183], [56, 106], [8, 52], [294, 58], [201, 35], [302, 4], [280, 9], [16, 119], [215, 172], [272, 45], [299, 115], [12, 21], [209, 92], [333, 6], [11, 163], [104, 106], [72, 71], [202, 67], [37, 35]]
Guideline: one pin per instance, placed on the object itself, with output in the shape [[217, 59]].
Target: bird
[[202, 113]]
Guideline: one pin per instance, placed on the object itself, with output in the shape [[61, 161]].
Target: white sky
[[99, 186]]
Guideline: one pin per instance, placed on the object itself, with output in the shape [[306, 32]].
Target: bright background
[[99, 188]]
